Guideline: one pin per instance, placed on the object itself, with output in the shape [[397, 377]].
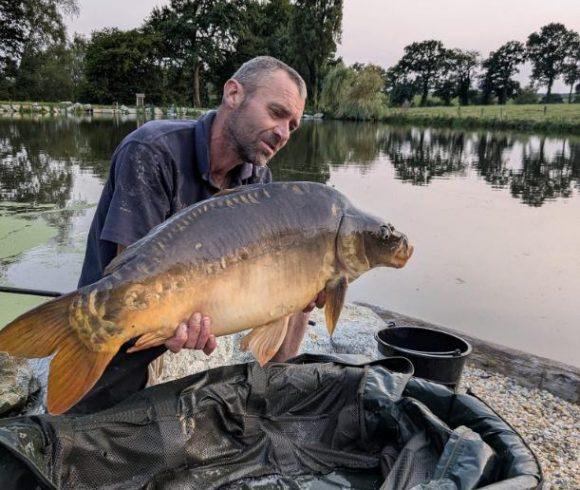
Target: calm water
[[495, 217]]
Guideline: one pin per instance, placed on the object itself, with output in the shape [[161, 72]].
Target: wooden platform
[[527, 369]]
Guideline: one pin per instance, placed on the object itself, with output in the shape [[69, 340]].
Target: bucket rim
[[423, 354]]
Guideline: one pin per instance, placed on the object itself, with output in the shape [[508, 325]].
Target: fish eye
[[386, 231]]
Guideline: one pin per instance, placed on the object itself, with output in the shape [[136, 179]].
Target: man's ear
[[234, 93]]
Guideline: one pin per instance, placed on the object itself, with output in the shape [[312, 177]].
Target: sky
[[376, 31]]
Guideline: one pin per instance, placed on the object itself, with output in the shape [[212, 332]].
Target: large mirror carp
[[248, 258]]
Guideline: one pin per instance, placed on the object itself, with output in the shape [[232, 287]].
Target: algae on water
[[13, 305], [20, 233]]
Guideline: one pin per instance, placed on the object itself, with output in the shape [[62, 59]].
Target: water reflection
[[319, 146], [420, 155], [545, 178], [38, 157]]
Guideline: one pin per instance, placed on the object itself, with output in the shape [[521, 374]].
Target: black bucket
[[437, 356]]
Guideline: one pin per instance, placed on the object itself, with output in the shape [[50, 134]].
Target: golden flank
[[248, 258]]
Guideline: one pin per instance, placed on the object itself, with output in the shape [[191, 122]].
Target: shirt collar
[[202, 140]]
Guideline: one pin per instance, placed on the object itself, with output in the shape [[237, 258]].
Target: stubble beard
[[245, 146]]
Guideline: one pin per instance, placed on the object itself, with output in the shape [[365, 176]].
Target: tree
[[315, 30], [571, 68], [353, 93], [464, 65], [30, 24], [262, 29], [120, 63], [425, 62], [196, 35], [335, 88], [548, 50], [499, 68], [400, 88]]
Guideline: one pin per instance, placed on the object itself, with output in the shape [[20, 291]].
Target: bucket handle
[[448, 353]]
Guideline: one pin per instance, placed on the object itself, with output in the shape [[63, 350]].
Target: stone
[[17, 384]]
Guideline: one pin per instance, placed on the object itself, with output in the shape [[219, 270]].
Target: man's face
[[262, 124]]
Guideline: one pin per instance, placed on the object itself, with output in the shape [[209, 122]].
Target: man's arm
[[193, 334]]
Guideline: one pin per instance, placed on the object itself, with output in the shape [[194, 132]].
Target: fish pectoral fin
[[148, 340], [265, 341], [335, 294], [74, 370]]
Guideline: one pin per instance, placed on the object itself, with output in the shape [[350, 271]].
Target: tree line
[[184, 52], [428, 67]]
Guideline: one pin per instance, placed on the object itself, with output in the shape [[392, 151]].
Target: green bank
[[557, 118]]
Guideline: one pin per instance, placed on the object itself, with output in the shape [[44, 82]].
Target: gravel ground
[[550, 425]]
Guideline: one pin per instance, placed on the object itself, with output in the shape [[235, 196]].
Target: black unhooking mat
[[319, 422]]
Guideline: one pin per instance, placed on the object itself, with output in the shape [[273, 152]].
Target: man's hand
[[194, 334], [317, 302]]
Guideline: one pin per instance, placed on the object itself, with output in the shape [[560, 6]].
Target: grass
[[555, 118], [561, 118]]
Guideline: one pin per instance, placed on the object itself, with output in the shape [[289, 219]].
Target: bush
[[351, 94], [552, 99], [527, 95]]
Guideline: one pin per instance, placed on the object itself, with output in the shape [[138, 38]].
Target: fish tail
[[46, 330], [38, 332]]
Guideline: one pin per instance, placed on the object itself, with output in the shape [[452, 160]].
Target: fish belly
[[247, 294]]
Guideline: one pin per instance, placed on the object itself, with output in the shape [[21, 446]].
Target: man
[[165, 166]]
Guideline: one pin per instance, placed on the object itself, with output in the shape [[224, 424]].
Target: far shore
[[563, 119]]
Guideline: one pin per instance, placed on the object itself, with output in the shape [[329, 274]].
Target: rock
[[354, 333], [17, 384]]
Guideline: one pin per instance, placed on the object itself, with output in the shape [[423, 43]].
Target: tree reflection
[[542, 178], [418, 155], [491, 154], [319, 146], [38, 157]]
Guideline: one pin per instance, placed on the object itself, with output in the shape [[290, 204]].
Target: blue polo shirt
[[156, 171]]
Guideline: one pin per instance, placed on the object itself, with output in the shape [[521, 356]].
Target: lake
[[494, 217]]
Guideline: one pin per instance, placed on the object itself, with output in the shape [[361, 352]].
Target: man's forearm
[[291, 344]]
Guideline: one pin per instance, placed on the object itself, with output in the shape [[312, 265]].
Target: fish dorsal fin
[[120, 260], [227, 192], [265, 341], [235, 190], [335, 294]]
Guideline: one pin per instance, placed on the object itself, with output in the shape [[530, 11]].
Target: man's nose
[[282, 130]]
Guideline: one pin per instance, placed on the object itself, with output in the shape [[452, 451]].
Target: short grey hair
[[253, 71]]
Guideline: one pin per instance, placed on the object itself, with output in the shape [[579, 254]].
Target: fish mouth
[[402, 254]]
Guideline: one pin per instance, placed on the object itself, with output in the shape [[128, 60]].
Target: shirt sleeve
[[141, 194]]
